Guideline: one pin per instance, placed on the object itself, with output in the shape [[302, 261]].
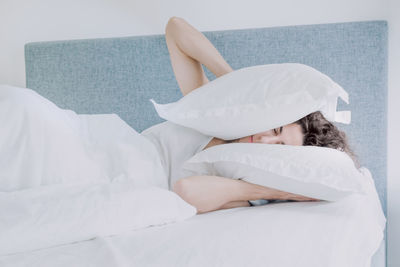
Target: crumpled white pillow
[[316, 172], [53, 215], [255, 99]]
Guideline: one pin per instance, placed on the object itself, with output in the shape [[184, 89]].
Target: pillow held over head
[[256, 99]]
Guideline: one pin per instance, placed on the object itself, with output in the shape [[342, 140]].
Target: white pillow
[[255, 99], [53, 215], [316, 172]]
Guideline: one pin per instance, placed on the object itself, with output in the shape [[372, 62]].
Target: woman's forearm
[[236, 204], [194, 44], [208, 193]]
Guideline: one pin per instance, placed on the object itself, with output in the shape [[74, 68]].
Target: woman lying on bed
[[189, 49]]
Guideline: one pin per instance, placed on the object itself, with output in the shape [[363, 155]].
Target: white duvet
[[92, 192], [66, 177], [42, 144]]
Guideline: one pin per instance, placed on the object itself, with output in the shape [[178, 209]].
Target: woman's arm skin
[[235, 204], [188, 49], [209, 193]]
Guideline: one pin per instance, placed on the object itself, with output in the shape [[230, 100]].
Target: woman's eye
[[275, 131]]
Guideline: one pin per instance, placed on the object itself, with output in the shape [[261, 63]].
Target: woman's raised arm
[[188, 49]]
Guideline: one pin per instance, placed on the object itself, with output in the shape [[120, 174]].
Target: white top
[[175, 144]]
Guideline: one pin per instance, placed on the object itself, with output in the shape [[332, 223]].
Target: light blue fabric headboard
[[120, 75]]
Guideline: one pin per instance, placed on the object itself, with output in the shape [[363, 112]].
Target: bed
[[120, 75]]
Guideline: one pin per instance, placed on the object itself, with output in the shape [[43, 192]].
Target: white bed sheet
[[343, 233]]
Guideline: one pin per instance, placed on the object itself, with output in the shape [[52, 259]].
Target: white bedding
[[67, 178], [47, 145], [329, 234], [119, 212], [61, 214]]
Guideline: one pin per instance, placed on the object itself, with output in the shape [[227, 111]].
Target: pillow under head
[[316, 172]]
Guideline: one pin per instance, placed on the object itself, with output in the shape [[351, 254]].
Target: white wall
[[23, 21]]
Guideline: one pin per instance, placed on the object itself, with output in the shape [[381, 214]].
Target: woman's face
[[290, 134]]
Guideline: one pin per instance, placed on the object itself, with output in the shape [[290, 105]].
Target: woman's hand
[[252, 191], [281, 195]]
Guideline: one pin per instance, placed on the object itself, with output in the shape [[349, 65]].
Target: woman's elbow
[[178, 187], [182, 188], [173, 23]]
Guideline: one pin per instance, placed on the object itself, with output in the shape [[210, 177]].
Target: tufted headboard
[[120, 75]]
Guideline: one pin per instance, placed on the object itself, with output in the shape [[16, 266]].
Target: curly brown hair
[[318, 131]]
